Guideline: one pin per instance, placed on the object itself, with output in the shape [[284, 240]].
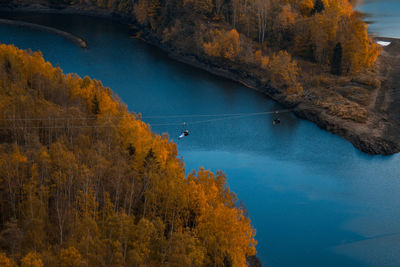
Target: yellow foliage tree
[[70, 257], [110, 195], [260, 59], [185, 250], [340, 7], [32, 259], [317, 36], [306, 7], [215, 210], [35, 213], [5, 261], [283, 72], [224, 44], [359, 51]]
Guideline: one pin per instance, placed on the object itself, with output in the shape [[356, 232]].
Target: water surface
[[314, 199], [385, 17]]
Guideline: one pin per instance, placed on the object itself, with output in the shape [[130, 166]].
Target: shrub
[[261, 60], [224, 44], [283, 72]]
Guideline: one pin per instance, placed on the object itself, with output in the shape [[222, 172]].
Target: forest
[[316, 52], [327, 32], [254, 32], [84, 182]]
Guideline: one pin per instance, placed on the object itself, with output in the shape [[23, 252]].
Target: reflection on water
[[313, 198]]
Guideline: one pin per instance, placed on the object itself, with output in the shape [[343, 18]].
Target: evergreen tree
[[336, 65], [95, 105], [131, 150], [318, 7]]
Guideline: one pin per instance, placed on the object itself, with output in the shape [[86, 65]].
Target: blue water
[[314, 199], [385, 15]]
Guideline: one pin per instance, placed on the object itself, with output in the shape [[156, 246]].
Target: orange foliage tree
[[307, 28], [84, 182], [5, 261], [317, 35], [224, 44], [283, 72]]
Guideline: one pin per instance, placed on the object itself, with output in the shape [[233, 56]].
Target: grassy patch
[[341, 107], [357, 94], [367, 79]]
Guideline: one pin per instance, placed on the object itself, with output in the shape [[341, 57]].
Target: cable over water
[[220, 117]]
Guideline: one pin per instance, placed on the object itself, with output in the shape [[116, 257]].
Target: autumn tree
[[283, 71], [283, 28], [111, 195], [70, 257], [307, 28], [224, 44], [260, 59], [32, 259], [5, 261], [306, 7], [359, 51], [34, 211], [211, 216]]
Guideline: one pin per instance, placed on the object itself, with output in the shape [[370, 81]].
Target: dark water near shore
[[313, 198]]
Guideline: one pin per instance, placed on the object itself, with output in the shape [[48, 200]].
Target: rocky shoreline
[[380, 134], [369, 137]]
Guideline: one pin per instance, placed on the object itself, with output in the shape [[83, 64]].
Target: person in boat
[[184, 133]]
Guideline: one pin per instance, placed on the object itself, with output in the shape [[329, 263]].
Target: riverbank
[[75, 39], [378, 134]]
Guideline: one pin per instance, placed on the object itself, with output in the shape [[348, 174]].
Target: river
[[314, 199]]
